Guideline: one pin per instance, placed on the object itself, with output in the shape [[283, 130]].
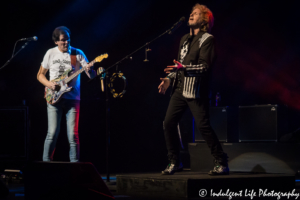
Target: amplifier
[[14, 132], [262, 123]]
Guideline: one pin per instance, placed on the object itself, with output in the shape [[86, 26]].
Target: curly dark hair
[[61, 30]]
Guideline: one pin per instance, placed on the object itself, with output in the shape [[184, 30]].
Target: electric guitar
[[53, 96]]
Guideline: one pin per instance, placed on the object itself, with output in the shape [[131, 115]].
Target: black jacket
[[198, 60]]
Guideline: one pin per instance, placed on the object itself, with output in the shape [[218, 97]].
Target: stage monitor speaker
[[64, 180], [14, 132], [272, 157], [218, 122], [262, 123], [4, 191]]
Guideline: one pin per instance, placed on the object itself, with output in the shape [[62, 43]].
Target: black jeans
[[200, 111]]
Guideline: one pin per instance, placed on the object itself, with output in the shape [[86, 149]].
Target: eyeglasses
[[65, 40]]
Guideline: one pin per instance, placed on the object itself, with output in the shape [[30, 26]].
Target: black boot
[[174, 166], [220, 168]]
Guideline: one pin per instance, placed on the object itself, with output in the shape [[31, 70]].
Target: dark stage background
[[258, 63]]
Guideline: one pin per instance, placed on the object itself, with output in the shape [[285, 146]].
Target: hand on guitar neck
[[89, 66], [88, 69]]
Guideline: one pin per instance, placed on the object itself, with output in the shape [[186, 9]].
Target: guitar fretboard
[[78, 72]]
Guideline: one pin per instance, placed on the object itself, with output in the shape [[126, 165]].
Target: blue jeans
[[71, 107]]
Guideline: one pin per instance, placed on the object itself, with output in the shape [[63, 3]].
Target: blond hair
[[207, 17]]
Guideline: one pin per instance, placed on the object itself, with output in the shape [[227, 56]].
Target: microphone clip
[[34, 38]]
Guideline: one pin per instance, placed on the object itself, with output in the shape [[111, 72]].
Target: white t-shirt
[[58, 62]]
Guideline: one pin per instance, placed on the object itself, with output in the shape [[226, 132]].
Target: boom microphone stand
[[13, 55], [169, 31]]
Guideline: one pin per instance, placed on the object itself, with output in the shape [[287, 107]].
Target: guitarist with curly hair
[[190, 79]]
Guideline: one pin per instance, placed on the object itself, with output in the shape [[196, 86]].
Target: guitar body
[[53, 96]]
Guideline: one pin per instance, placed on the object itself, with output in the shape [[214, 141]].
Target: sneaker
[[219, 169], [172, 168]]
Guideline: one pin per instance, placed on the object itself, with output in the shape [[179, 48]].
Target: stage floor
[[154, 186], [187, 184]]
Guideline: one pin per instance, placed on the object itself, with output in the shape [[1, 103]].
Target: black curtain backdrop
[[258, 63]]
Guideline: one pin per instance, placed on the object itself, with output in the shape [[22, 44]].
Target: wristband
[[179, 66]]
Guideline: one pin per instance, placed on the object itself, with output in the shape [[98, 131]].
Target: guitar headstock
[[101, 57]]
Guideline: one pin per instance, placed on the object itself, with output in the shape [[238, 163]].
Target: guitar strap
[[74, 66], [73, 58]]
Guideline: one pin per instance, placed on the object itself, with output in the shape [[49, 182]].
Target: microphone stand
[[14, 54], [107, 125], [169, 31]]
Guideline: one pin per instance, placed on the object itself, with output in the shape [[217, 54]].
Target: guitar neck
[[78, 72]]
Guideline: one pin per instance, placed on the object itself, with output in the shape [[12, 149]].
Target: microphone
[[34, 38], [176, 25], [102, 84], [99, 71]]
